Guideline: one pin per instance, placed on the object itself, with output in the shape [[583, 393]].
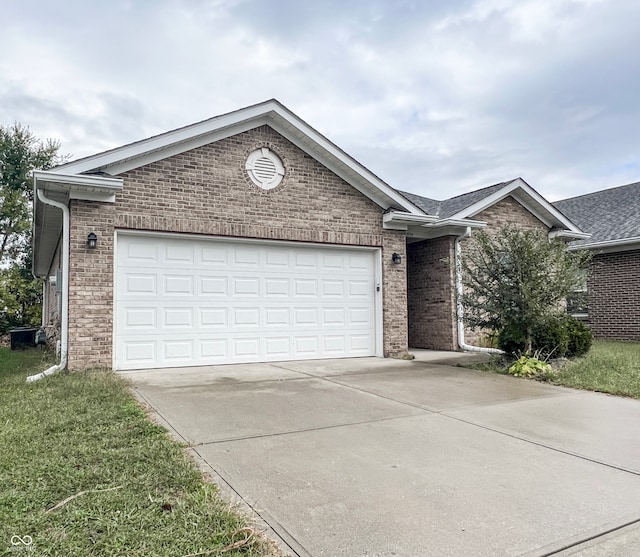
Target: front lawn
[[609, 367], [84, 472]]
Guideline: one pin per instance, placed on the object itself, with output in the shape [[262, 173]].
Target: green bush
[[558, 337], [552, 338], [580, 337], [511, 340]]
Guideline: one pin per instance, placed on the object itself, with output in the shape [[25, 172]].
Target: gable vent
[[265, 168]]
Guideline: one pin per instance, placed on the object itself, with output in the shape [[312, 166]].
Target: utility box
[[22, 337]]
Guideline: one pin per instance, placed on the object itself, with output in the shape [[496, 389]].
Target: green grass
[[83, 432], [609, 367]]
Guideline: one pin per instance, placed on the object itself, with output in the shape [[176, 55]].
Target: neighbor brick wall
[[613, 285], [508, 211], [431, 294], [207, 191]]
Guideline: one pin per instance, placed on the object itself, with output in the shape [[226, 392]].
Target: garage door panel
[[198, 302], [213, 286], [141, 284], [178, 350], [245, 287], [213, 317]]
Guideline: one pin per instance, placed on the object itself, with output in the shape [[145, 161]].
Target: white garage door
[[186, 301]]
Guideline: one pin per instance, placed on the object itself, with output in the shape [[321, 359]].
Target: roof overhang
[[47, 220], [427, 226], [610, 246], [271, 113], [530, 199], [567, 235]]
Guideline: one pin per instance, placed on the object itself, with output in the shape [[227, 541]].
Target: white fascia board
[[328, 151], [272, 113], [511, 188], [75, 181], [458, 222], [396, 220], [623, 244], [160, 153], [568, 235], [164, 140]]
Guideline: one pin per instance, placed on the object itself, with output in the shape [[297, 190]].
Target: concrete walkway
[[377, 457]]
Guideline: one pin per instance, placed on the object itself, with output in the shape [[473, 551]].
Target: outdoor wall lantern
[[92, 241], [396, 258]]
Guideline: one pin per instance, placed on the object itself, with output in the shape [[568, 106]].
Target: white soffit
[[271, 113]]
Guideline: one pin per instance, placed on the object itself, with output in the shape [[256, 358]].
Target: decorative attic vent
[[265, 168]]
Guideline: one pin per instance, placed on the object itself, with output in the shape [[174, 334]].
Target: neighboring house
[[612, 216], [251, 237]]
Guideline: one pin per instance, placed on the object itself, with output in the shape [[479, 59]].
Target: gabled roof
[[271, 113], [612, 215], [469, 204], [449, 207]]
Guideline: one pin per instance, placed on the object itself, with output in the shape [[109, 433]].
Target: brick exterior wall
[[91, 285], [506, 212], [394, 294], [207, 191], [431, 294], [613, 285]]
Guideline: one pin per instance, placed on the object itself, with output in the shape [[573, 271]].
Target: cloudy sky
[[435, 97]]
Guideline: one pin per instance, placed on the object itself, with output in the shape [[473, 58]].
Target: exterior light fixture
[[396, 258], [92, 241]]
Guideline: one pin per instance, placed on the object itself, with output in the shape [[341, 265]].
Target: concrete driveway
[[374, 457]]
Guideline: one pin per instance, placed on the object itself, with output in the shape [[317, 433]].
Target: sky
[[435, 97]]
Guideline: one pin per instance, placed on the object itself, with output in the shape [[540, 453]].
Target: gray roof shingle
[[449, 207], [611, 214]]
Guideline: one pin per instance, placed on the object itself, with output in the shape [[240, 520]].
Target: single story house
[[250, 237], [612, 216]]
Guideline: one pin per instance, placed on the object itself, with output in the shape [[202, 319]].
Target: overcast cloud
[[435, 97]]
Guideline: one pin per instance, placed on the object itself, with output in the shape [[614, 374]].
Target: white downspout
[[64, 332], [460, 307]]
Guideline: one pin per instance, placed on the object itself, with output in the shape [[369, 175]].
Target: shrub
[[558, 337], [580, 337], [552, 338], [511, 339]]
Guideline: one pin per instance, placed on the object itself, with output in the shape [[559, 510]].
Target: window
[[577, 301]]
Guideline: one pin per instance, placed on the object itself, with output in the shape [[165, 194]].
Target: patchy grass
[[122, 485], [609, 367]]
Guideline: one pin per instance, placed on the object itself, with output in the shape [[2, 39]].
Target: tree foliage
[[517, 280], [20, 154]]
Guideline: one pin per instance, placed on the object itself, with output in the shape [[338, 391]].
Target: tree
[[20, 154], [517, 280]]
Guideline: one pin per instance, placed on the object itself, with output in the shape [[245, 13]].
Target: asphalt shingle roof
[[449, 207], [611, 214]]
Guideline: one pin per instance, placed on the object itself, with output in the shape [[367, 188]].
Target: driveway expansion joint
[[584, 539], [446, 414], [309, 430], [540, 444]]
